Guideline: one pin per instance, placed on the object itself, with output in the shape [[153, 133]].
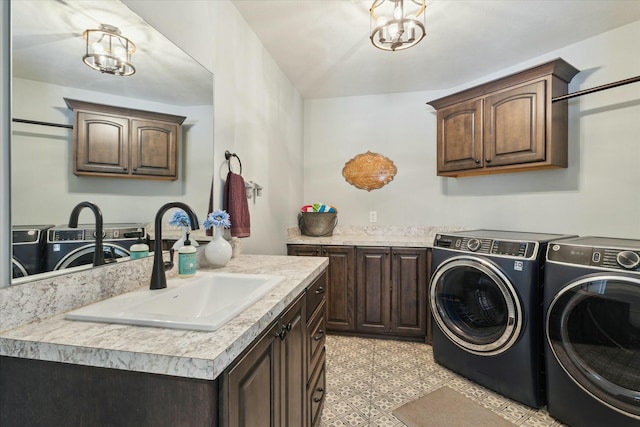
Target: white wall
[[258, 113], [598, 194], [44, 188]]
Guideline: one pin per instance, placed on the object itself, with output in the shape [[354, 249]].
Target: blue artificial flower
[[180, 219], [217, 219]]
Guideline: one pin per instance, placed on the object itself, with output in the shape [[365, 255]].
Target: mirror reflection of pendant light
[[108, 51], [393, 27]]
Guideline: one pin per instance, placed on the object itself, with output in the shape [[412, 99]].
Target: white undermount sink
[[203, 303]]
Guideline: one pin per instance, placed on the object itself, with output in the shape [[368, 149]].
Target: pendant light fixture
[[395, 24], [108, 51]]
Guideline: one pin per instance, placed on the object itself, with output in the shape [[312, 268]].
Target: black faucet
[[98, 253], [158, 277]]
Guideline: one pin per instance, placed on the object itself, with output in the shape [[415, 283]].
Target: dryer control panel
[[607, 258], [510, 248]]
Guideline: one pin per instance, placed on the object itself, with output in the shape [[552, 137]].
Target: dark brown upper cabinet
[[124, 143], [506, 125]]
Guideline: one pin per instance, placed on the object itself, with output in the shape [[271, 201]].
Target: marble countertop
[[202, 355], [400, 236]]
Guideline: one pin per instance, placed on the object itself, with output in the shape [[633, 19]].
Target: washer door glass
[[593, 329], [475, 305], [84, 255]]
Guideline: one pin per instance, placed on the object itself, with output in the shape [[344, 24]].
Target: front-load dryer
[[592, 331], [485, 296], [28, 247], [72, 247]]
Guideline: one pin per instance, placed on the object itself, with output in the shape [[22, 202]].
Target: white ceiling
[[47, 46], [324, 49]]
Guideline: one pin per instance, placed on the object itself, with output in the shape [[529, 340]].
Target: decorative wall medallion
[[369, 171]]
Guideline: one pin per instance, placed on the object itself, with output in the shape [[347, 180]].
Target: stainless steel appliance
[[592, 330], [485, 296]]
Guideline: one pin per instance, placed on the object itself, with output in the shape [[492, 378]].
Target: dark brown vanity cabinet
[[340, 292], [391, 287], [316, 327], [506, 125], [124, 143], [280, 380], [43, 393], [267, 386]]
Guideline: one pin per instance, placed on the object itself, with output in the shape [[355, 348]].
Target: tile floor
[[368, 378]]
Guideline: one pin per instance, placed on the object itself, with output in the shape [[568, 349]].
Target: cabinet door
[[101, 144], [304, 250], [293, 364], [341, 288], [372, 289], [253, 385], [408, 292], [514, 125], [460, 136], [154, 148]]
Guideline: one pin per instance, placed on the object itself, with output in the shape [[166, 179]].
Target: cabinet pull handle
[[319, 336], [319, 399], [124, 168], [320, 290], [477, 160], [488, 160], [284, 329]]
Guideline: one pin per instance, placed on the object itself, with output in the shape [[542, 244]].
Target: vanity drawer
[[316, 394], [316, 293], [316, 337]]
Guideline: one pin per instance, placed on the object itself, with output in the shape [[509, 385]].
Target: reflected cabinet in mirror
[[48, 50]]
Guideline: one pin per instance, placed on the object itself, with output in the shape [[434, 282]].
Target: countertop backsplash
[[374, 235], [49, 296]]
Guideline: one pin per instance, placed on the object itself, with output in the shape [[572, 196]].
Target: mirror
[[47, 51]]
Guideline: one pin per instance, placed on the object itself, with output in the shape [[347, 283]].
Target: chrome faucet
[[158, 276], [98, 253]]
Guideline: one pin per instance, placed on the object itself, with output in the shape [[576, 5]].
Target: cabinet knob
[[488, 160], [124, 168], [477, 160]]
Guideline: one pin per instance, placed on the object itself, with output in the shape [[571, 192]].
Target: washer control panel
[[510, 248]]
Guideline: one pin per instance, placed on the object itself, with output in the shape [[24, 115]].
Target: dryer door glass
[[593, 329], [84, 255], [475, 305]]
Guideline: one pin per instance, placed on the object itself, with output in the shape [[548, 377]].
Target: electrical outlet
[[373, 216]]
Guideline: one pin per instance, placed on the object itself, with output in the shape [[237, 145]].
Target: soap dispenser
[[139, 249], [187, 259]]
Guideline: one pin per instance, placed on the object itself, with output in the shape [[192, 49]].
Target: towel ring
[[228, 155]]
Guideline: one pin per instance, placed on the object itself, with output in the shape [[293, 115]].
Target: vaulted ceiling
[[324, 49]]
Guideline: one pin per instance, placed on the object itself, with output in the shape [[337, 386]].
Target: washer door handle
[[511, 321]]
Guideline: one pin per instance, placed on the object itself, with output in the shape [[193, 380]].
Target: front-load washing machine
[[71, 247], [485, 296], [592, 331], [28, 247]]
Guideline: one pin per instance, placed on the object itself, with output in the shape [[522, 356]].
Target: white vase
[[218, 251]]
